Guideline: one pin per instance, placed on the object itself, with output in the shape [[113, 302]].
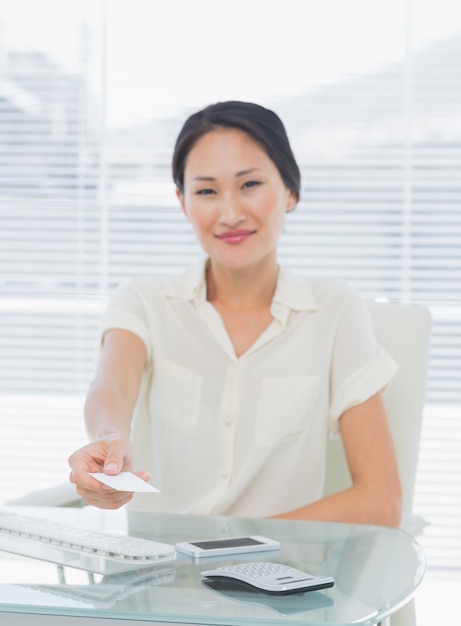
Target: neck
[[241, 289]]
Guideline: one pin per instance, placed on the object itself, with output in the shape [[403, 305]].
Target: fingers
[[108, 454], [104, 498], [96, 493], [117, 457], [144, 475], [111, 456]]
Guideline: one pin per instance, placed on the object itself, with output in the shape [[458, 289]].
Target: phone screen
[[227, 543]]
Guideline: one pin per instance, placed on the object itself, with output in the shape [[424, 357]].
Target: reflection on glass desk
[[376, 571]]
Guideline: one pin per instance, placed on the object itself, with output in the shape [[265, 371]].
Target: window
[[88, 115]]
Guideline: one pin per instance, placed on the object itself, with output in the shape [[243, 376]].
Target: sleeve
[[360, 367], [127, 310]]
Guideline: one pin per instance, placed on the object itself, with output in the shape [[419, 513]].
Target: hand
[[110, 455]]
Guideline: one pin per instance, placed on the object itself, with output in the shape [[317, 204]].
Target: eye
[[204, 192], [251, 183]]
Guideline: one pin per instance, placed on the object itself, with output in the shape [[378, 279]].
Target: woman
[[223, 383]]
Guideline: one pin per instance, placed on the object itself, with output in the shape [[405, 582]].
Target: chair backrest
[[404, 331]]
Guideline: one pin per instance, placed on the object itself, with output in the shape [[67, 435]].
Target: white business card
[[125, 481]]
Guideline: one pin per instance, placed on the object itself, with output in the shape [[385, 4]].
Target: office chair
[[404, 331]]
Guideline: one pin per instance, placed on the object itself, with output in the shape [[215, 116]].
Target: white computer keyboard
[[94, 551]]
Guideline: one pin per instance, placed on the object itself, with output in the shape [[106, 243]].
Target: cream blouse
[[246, 435]]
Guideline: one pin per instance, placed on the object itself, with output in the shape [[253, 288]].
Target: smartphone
[[224, 547]]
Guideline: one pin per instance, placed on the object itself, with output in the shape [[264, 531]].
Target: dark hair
[[261, 124]]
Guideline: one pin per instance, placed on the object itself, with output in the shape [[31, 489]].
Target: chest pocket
[[286, 407], [175, 397]]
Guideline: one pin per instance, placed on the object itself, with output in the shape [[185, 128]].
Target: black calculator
[[270, 577]]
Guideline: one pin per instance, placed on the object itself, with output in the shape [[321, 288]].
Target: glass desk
[[376, 571]]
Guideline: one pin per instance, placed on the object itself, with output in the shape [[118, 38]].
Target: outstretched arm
[[108, 412]]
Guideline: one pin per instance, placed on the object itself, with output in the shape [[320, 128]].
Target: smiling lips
[[235, 236]]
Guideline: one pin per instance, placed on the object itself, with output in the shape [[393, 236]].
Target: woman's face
[[234, 198]]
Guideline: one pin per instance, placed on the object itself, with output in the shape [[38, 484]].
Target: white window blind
[[88, 118]]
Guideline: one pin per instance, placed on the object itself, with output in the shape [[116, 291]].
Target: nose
[[231, 211]]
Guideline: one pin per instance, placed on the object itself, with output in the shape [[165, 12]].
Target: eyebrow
[[241, 173]]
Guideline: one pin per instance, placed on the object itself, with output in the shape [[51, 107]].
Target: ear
[[292, 201], [182, 202]]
